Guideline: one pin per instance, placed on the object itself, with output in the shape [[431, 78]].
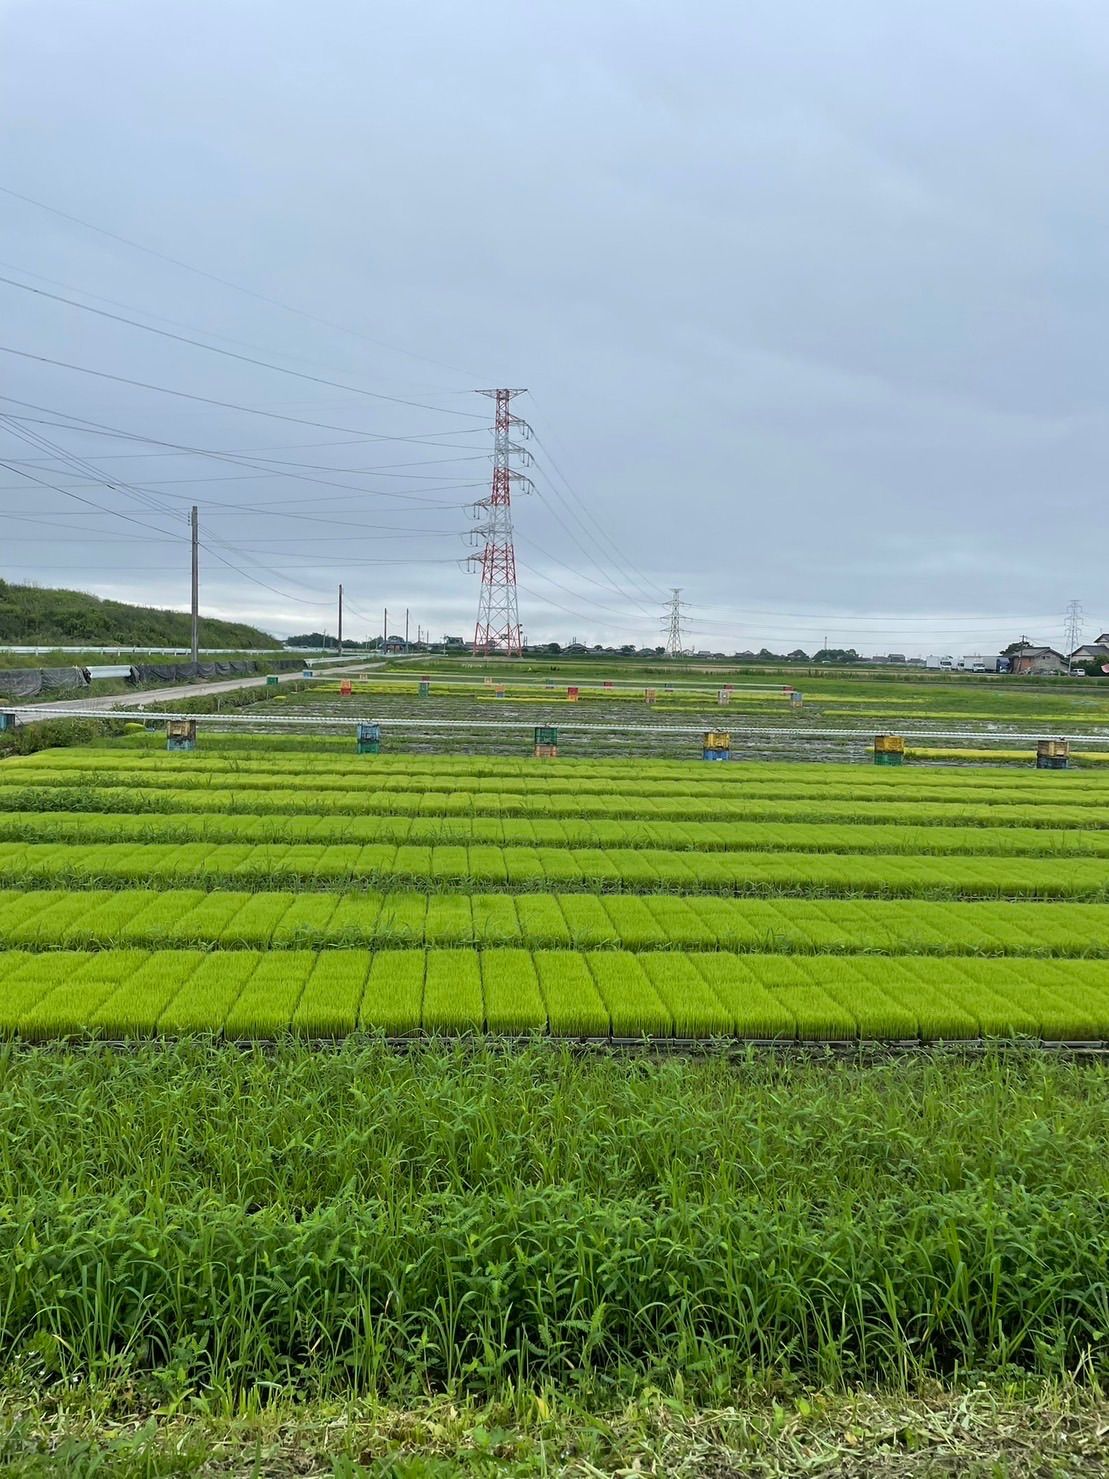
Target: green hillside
[[36, 615]]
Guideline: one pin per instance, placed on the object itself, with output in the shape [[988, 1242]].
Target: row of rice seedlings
[[542, 920], [574, 832], [871, 995], [403, 918], [60, 918], [1052, 806], [25, 979], [48, 916], [693, 1006], [252, 994], [624, 870], [752, 1010], [489, 772], [305, 813], [243, 755], [204, 1002], [413, 794], [306, 917], [1067, 1007]]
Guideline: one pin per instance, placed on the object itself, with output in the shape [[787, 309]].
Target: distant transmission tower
[[498, 614], [1072, 631], [673, 622]]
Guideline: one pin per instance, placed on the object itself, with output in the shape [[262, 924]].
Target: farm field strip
[[302, 801], [634, 870], [564, 778], [105, 919], [331, 755], [571, 832], [146, 893], [578, 993]]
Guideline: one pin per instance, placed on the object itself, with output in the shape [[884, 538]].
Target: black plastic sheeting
[[30, 682], [184, 672]]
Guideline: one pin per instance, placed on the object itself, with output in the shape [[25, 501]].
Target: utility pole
[[195, 528], [385, 635], [673, 622], [1072, 632], [340, 619], [498, 612], [406, 629]]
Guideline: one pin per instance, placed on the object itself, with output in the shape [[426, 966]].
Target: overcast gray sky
[[810, 301]]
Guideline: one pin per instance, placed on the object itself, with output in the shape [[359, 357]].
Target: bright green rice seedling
[[635, 1008], [331, 1001], [449, 920], [574, 1005], [513, 1000], [393, 999], [206, 999], [496, 921], [266, 1003], [70, 1007], [452, 992]]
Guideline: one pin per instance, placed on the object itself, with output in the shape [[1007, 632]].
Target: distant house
[[454, 641], [1102, 640], [1037, 662], [1091, 652]]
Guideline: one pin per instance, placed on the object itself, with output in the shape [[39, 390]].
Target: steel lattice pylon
[[673, 623], [498, 618]]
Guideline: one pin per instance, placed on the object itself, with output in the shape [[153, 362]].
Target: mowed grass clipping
[[255, 895]]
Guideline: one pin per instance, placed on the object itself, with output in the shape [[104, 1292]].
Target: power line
[[648, 584], [99, 428], [590, 554], [227, 283], [60, 454], [578, 615], [177, 323], [257, 451], [204, 400], [570, 592], [31, 477], [118, 485], [231, 354]]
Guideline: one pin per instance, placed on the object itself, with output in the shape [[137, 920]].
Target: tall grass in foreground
[[211, 1220]]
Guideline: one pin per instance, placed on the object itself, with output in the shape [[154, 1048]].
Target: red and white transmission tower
[[498, 614]]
